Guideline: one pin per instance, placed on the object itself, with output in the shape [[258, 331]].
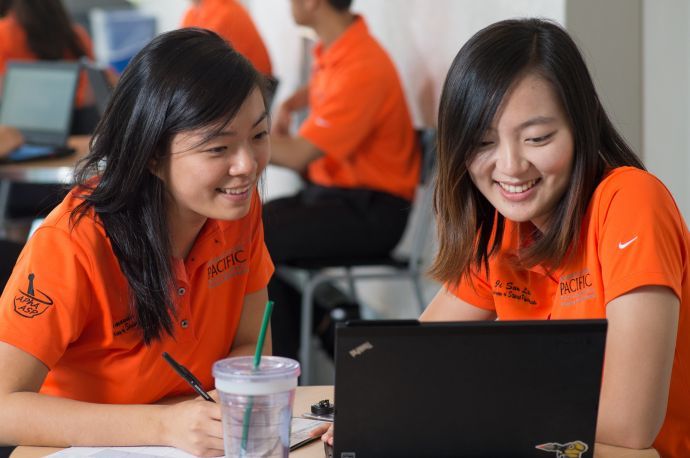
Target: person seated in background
[[10, 139], [42, 30], [357, 150], [537, 190], [117, 273], [230, 20]]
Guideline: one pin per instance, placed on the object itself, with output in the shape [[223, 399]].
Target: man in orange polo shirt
[[357, 150], [230, 20]]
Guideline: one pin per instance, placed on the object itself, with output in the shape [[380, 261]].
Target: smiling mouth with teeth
[[516, 189], [232, 192]]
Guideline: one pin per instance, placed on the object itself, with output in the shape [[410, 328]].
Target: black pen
[[188, 376]]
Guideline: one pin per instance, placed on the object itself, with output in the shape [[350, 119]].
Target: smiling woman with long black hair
[[158, 248]]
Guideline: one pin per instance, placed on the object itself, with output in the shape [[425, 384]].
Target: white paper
[[300, 428]]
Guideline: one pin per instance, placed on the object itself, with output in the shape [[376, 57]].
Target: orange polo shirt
[[66, 303], [359, 118], [230, 20], [14, 46], [634, 235]]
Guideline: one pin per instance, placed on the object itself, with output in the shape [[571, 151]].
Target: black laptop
[[467, 389], [38, 99]]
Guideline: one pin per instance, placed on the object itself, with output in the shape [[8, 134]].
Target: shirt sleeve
[[45, 303], [345, 116], [476, 292], [641, 236], [260, 263], [6, 44]]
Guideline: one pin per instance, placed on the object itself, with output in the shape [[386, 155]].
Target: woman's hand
[[325, 431], [195, 427]]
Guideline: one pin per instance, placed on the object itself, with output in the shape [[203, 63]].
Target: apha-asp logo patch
[[32, 302]]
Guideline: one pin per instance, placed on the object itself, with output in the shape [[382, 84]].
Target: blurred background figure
[[357, 149], [230, 20], [42, 30], [32, 30]]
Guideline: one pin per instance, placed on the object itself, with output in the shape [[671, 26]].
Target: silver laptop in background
[[38, 99]]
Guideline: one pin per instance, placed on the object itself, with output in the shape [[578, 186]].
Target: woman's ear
[[155, 167]]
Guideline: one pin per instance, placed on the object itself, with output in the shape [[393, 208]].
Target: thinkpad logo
[[359, 349]]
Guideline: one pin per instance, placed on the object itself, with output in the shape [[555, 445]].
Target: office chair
[[320, 271]]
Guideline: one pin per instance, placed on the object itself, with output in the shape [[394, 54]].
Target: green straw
[[262, 334], [257, 362]]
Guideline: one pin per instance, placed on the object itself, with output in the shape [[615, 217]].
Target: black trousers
[[324, 223]]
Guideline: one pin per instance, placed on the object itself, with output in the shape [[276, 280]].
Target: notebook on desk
[[409, 389], [38, 99]]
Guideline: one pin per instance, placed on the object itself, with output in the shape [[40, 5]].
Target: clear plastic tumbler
[[256, 404]]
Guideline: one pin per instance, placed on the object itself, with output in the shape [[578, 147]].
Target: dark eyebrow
[[232, 133], [535, 121], [263, 116]]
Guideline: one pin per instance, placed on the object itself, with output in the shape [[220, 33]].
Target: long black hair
[[182, 80], [483, 72], [49, 31]]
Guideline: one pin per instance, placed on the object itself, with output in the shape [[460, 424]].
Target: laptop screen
[[38, 98], [409, 389]]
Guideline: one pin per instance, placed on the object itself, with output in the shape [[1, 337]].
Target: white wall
[[168, 12], [666, 77], [609, 33]]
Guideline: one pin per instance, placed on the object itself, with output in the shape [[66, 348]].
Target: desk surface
[[307, 395], [50, 171]]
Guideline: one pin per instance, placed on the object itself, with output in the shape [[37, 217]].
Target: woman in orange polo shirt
[[41, 30], [536, 190], [159, 248], [536, 187]]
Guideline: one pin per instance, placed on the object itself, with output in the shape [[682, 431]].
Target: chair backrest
[[9, 252], [421, 219], [102, 90]]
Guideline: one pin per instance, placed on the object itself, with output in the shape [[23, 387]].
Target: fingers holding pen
[[194, 426]]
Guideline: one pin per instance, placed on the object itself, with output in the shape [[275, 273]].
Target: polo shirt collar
[[511, 244], [353, 35], [211, 230]]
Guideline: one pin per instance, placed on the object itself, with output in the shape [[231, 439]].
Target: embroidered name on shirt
[[512, 291], [230, 264], [576, 287], [124, 325], [32, 302]]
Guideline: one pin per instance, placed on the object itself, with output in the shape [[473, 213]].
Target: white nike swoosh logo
[[622, 246]]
